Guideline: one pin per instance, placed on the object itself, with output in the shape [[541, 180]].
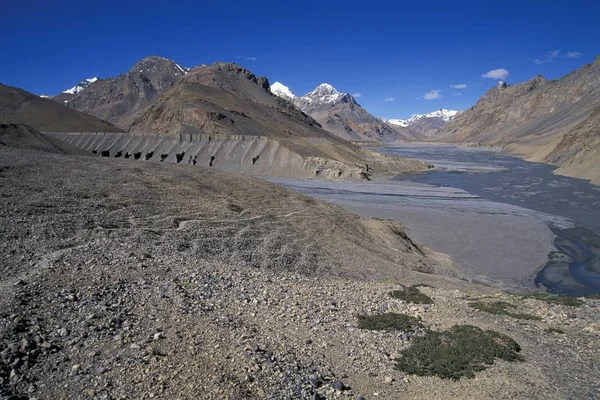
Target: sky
[[396, 57]]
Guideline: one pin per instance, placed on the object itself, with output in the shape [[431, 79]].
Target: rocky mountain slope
[[423, 126], [339, 113], [257, 131], [18, 106], [119, 100], [546, 121], [68, 94], [166, 281]]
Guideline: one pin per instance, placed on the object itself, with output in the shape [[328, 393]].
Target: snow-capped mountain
[[442, 113], [425, 124], [282, 91], [84, 84], [339, 113]]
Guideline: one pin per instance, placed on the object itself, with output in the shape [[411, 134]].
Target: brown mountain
[[18, 106], [224, 116], [120, 99], [546, 121]]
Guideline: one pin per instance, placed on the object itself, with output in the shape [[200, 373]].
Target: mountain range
[[546, 121], [218, 115], [422, 126], [556, 121], [340, 114]]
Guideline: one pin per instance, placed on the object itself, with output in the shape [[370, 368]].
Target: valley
[[193, 229]]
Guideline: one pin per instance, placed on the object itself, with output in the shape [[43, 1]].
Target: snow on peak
[[442, 113], [81, 85], [324, 93], [182, 69], [279, 89], [324, 89], [399, 122], [446, 115], [44, 96]]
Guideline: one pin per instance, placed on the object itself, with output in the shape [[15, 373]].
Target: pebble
[[63, 332]]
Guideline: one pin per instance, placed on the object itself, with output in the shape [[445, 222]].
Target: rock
[[388, 379], [158, 336], [63, 332], [338, 385]]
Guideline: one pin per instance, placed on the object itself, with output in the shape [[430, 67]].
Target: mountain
[[66, 95], [120, 99], [340, 114], [425, 125], [553, 121], [18, 106], [224, 116]]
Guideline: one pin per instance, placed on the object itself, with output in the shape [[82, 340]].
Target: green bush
[[460, 351], [412, 295], [501, 308], [388, 322]]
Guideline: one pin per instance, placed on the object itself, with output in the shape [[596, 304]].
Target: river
[[502, 220]]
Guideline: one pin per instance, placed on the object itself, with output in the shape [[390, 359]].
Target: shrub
[[412, 295], [388, 322], [460, 351]]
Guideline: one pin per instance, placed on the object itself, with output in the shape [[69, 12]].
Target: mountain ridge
[[552, 121], [341, 114]]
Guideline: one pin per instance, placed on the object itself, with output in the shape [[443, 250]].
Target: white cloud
[[432, 95], [499, 73], [457, 94], [357, 94], [390, 99], [573, 54], [551, 55], [247, 58], [459, 86]]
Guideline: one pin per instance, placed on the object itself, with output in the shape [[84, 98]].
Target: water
[[574, 268]]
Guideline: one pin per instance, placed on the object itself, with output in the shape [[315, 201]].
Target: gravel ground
[[123, 280]]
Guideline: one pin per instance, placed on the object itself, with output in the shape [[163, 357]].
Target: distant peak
[[84, 84], [158, 63], [324, 89], [279, 89]]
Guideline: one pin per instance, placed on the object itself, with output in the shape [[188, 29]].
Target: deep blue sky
[[383, 50]]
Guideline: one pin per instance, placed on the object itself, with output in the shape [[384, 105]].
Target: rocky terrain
[[18, 106], [147, 280], [340, 114], [120, 99], [544, 121]]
